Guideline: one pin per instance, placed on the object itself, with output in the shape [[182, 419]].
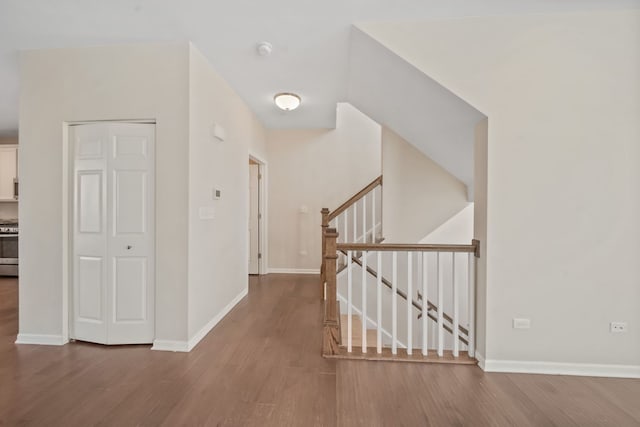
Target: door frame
[[263, 262], [68, 217]]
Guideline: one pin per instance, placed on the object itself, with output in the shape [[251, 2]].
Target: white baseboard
[[480, 358], [187, 346], [213, 322], [294, 270], [169, 345], [41, 339], [558, 368]]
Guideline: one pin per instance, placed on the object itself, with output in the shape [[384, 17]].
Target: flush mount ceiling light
[[287, 101]]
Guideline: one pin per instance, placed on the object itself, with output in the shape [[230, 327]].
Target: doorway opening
[[257, 262]]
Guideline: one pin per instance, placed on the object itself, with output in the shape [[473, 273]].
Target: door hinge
[[259, 216], [259, 256], [259, 176]]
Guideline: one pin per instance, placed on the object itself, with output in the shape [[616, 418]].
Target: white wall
[[218, 251], [8, 210], [310, 170], [563, 238], [418, 194], [104, 83], [457, 230]]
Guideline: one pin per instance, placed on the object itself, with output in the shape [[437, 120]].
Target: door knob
[[129, 246]]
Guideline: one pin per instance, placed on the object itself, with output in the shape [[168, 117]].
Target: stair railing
[[431, 307], [419, 254], [359, 220]]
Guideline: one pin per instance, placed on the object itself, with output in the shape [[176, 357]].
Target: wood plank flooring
[[261, 366]]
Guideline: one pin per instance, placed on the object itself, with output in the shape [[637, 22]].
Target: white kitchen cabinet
[[8, 173]]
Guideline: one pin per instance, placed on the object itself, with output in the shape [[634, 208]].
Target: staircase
[[397, 326], [356, 331]]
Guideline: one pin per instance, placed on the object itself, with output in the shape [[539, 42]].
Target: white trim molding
[[169, 345], [38, 339], [187, 346], [480, 358], [263, 241], [294, 270], [213, 322], [559, 368]]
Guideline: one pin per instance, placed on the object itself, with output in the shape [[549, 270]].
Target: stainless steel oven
[[9, 249]]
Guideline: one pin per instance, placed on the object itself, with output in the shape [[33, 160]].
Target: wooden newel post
[[331, 338], [324, 225]]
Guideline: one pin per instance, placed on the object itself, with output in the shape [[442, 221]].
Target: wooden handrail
[[343, 207], [403, 295], [403, 247]]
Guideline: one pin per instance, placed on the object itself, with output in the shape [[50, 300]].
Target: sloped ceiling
[[427, 115]]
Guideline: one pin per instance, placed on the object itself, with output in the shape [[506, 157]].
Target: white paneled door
[[113, 232], [254, 218]]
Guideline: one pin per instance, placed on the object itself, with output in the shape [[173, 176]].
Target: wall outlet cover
[[617, 327]]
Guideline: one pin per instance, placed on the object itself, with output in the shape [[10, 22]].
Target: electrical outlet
[[617, 327], [521, 323]]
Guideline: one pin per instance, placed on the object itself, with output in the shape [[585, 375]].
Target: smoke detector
[[264, 48]]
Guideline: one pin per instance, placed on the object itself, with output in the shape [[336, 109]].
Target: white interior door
[[113, 233], [254, 219]]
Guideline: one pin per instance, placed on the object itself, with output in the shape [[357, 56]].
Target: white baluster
[[355, 222], [409, 305], [364, 301], [379, 301], [472, 304], [456, 321], [336, 224], [349, 304], [440, 305], [373, 216], [394, 304], [425, 316], [364, 219], [345, 239]]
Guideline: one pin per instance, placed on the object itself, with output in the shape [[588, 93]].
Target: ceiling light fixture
[[287, 101]]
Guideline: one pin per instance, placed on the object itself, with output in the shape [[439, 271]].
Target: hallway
[[261, 366]]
